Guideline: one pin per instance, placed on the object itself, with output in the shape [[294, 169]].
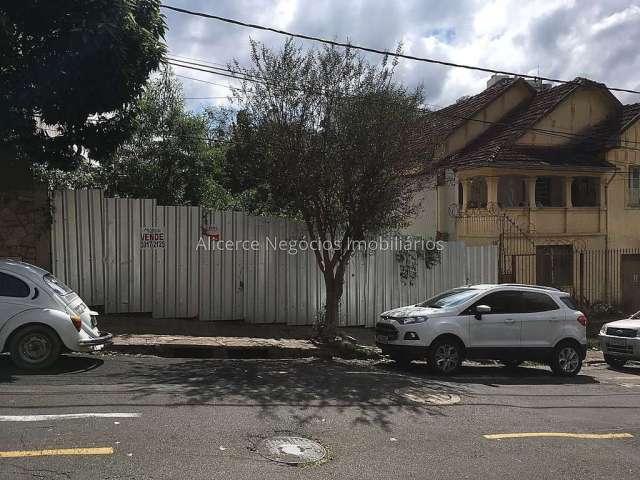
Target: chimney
[[495, 78]]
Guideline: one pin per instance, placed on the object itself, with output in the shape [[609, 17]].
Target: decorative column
[[568, 182], [466, 186], [603, 205], [531, 193], [492, 191], [568, 203]]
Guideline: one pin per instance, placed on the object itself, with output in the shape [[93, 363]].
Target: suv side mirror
[[481, 310]]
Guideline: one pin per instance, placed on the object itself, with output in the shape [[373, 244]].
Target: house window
[[634, 187], [554, 265], [477, 193], [512, 192], [549, 192], [585, 192]]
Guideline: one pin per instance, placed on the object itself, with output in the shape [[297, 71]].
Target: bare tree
[[340, 144]]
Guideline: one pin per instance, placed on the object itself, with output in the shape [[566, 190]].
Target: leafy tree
[[74, 68], [173, 155], [338, 142]]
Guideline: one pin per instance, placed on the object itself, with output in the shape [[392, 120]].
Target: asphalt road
[[208, 419]]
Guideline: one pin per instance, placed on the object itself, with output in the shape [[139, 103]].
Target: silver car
[[620, 341], [40, 317]]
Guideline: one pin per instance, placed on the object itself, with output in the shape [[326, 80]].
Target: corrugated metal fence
[[98, 251]]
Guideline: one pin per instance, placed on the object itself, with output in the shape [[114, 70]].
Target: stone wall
[[25, 225]]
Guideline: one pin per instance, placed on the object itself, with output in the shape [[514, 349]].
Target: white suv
[[508, 322]]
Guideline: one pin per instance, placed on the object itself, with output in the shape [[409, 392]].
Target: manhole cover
[[295, 450], [428, 397]]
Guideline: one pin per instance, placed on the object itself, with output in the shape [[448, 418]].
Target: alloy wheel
[[446, 358], [568, 359]]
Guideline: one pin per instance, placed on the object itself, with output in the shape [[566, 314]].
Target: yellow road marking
[[60, 451], [587, 436]]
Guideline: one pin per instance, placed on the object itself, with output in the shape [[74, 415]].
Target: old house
[[549, 174]]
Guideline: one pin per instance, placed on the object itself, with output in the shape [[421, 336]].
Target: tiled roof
[[444, 121], [497, 145], [630, 113]]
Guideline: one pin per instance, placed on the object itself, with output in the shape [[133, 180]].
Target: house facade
[[549, 174]]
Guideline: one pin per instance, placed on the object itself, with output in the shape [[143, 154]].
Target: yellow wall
[[494, 112], [582, 109], [434, 210], [623, 221], [614, 224]]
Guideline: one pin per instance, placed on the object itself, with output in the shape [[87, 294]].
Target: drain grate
[[291, 450], [428, 396]]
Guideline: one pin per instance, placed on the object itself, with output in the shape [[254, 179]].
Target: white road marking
[[66, 416], [585, 436]]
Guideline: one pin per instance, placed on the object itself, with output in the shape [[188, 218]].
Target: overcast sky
[[598, 39]]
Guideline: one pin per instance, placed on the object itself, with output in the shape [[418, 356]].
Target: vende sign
[[152, 237]]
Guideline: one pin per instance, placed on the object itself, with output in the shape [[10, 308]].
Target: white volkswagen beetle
[[40, 317]]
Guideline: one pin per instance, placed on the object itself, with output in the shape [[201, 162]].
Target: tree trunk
[[329, 329], [334, 283]]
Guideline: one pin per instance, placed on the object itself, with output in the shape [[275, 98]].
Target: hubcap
[[35, 347], [568, 359], [446, 358]]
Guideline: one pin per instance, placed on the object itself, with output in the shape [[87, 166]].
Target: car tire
[[614, 362], [35, 347], [445, 356], [566, 360]]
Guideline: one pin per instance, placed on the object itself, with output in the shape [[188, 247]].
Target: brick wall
[[25, 225]]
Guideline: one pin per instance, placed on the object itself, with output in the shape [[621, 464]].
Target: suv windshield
[[57, 286], [451, 298]]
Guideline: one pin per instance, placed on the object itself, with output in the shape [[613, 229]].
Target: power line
[[197, 59], [229, 75], [206, 65], [204, 81], [555, 133], [203, 63], [378, 51]]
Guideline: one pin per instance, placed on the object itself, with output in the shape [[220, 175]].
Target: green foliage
[[329, 137], [75, 68], [173, 155]]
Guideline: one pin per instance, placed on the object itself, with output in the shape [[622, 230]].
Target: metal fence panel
[[267, 285], [77, 242], [128, 268]]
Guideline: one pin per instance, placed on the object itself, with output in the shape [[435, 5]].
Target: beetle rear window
[[57, 286], [11, 286]]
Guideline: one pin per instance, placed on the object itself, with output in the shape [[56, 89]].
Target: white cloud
[[562, 39]]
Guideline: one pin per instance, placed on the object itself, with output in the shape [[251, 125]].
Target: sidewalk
[[214, 347], [141, 334]]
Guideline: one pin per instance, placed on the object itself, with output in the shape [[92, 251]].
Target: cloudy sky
[[597, 39]]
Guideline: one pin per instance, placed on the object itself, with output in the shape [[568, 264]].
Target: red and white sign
[[152, 237], [211, 231]]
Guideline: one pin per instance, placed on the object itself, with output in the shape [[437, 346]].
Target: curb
[[210, 351]]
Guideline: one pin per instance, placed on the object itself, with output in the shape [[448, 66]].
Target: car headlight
[[603, 330], [411, 320]]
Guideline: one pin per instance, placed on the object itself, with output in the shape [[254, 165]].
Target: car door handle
[[509, 320]]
